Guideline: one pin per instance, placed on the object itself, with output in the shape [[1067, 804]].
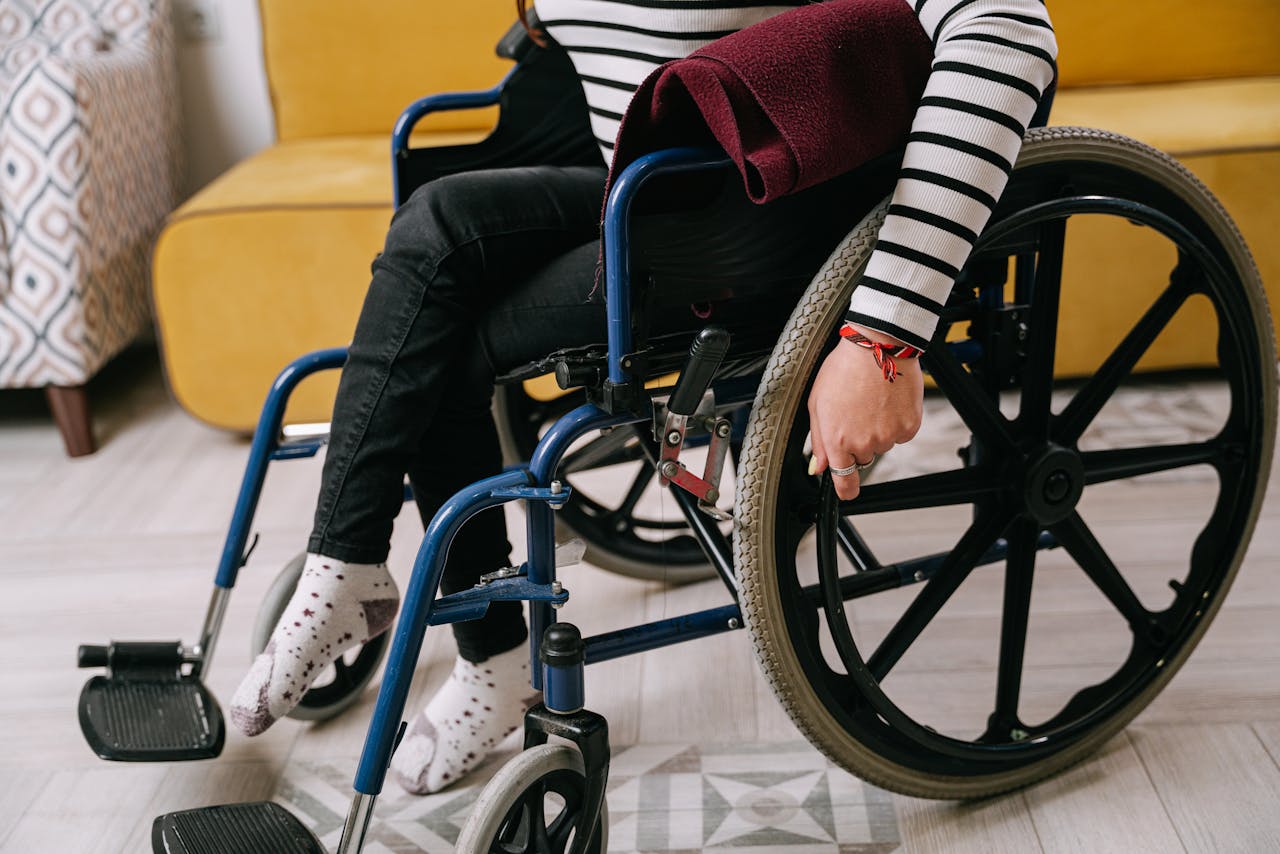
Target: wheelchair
[[795, 566]]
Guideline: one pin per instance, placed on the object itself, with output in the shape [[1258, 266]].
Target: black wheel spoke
[[562, 827], [959, 486], [976, 408], [1119, 463], [538, 839], [607, 450], [1069, 426], [341, 673], [513, 827], [642, 480], [854, 547], [1019, 569], [1086, 551], [959, 563], [1037, 376]]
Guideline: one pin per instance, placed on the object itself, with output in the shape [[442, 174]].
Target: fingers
[[847, 485]]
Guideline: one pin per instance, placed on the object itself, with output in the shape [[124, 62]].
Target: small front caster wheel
[[531, 806], [338, 685]]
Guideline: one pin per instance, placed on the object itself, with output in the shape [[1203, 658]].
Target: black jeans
[[481, 272], [414, 396]]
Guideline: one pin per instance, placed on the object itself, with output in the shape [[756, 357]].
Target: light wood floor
[[123, 545]]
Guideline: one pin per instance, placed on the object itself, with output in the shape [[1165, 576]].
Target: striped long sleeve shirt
[[992, 61]]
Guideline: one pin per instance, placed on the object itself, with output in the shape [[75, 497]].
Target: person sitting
[[486, 270]]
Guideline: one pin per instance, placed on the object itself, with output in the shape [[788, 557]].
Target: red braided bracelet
[[884, 353]]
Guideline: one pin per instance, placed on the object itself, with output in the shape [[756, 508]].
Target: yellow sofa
[[271, 260]]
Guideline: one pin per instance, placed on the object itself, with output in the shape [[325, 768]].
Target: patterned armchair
[[89, 167]]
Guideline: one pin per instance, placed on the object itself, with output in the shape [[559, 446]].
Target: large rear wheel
[[1091, 509]]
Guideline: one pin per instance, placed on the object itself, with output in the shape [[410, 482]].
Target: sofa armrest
[[131, 111], [88, 179]]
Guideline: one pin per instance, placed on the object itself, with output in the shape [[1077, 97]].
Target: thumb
[[818, 464]]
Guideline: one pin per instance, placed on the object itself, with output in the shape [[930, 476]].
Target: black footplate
[[257, 828], [145, 709]]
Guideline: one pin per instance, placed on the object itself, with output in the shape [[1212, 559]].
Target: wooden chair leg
[[70, 406]]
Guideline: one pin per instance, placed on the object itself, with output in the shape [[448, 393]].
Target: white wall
[[226, 109]]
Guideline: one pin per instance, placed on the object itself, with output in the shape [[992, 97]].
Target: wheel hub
[[1053, 484]]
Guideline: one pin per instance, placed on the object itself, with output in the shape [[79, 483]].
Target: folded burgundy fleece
[[794, 100]]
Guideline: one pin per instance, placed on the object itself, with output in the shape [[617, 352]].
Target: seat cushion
[[1186, 118], [1227, 132], [1155, 41], [268, 262], [336, 67], [344, 170]]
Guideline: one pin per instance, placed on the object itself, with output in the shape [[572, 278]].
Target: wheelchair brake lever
[[670, 470], [691, 396]]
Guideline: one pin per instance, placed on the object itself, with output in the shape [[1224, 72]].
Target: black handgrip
[[571, 376], [516, 43], [705, 355], [91, 656]]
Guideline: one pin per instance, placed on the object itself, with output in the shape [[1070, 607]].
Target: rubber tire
[[508, 784], [598, 554], [273, 605], [778, 401]]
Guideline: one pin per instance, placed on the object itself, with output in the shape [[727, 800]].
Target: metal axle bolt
[[673, 438], [556, 487], [670, 469], [733, 622]]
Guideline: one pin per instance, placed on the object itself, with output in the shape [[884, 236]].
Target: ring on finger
[[857, 466]]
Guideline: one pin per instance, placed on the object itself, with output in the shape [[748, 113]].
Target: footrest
[[256, 828], [150, 720]]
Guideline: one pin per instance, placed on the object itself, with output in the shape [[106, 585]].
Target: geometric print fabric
[[89, 168]]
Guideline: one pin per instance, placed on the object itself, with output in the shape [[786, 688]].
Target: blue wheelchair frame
[[534, 483]]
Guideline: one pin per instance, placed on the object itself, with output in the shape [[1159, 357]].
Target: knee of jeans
[[427, 223], [442, 203]]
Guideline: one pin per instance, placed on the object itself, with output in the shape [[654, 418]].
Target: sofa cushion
[[1194, 117], [1155, 41], [337, 67], [337, 171], [1227, 132]]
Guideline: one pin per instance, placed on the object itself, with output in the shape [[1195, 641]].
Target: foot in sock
[[335, 606], [477, 707]]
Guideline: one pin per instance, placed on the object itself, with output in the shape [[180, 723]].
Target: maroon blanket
[[794, 100]]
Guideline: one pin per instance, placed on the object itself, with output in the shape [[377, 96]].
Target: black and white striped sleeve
[[992, 61]]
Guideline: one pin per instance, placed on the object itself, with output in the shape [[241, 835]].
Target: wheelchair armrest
[[617, 251], [542, 120], [442, 102], [515, 44]]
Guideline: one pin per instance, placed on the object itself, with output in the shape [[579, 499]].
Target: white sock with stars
[[477, 707], [336, 605]]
